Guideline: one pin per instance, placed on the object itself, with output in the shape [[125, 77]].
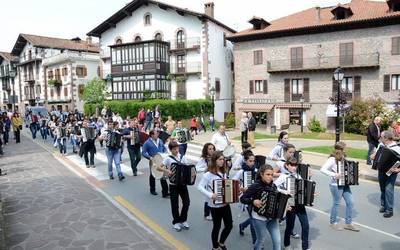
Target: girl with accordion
[[253, 196], [219, 212], [330, 168]]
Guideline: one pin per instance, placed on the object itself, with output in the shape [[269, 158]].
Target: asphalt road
[[376, 231]]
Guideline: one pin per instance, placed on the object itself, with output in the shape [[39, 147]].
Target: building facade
[[8, 74], [284, 69], [65, 64], [154, 50]]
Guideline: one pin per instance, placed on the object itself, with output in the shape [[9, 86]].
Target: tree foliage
[[95, 91]]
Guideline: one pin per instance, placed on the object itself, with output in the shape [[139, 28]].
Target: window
[[297, 89], [65, 91], [64, 71], [258, 86], [50, 74], [38, 90], [395, 82], [181, 63], [147, 19], [347, 84], [158, 36], [258, 57], [346, 53], [340, 14], [217, 88], [138, 39], [180, 39], [118, 41], [396, 46], [296, 57], [81, 71]]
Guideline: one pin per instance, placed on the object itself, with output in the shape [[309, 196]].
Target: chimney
[[209, 9], [89, 40], [318, 16]]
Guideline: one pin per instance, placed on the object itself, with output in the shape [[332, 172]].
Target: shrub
[[230, 120], [315, 126], [178, 109]]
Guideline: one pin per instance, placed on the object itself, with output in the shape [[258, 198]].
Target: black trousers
[[135, 157], [163, 182], [244, 136], [206, 209], [89, 161], [301, 213], [176, 191], [219, 214], [17, 136]]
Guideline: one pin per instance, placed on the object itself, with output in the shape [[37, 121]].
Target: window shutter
[[357, 87], [395, 45], [306, 89], [287, 90], [265, 87], [386, 83], [251, 87], [84, 71], [65, 91]]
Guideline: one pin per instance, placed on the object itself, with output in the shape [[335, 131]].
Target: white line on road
[[358, 224]]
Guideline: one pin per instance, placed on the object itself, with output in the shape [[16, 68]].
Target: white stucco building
[[152, 49], [8, 88]]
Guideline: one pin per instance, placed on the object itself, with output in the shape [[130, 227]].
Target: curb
[[2, 227]]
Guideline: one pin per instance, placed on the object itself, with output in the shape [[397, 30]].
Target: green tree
[[95, 91]]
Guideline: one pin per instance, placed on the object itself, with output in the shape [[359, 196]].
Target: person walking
[[141, 116], [251, 129], [212, 122], [17, 122], [243, 127], [7, 127], [148, 121], [373, 134], [131, 134]]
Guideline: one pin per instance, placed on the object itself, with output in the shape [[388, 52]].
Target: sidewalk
[[263, 147], [46, 206]]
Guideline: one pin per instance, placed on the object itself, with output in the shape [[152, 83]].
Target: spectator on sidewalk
[[7, 127], [373, 134], [157, 114], [202, 123], [170, 125], [193, 126], [149, 120], [243, 127], [395, 129], [212, 122], [141, 116], [251, 129], [17, 122]]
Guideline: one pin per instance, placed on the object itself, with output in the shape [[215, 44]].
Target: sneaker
[[295, 235], [185, 225], [208, 218], [153, 192], [135, 174], [241, 230], [351, 227], [93, 166], [388, 214], [87, 166], [177, 227], [121, 177], [382, 210], [111, 177], [336, 226], [222, 247]]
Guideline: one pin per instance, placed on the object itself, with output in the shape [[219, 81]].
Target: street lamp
[[338, 76], [13, 73], [212, 93], [301, 115]]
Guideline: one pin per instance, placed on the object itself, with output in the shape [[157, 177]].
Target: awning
[[293, 105], [257, 107]]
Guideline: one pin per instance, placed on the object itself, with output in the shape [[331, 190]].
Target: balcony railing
[[29, 78], [189, 43], [6, 86], [296, 97], [30, 96], [188, 68], [104, 54], [29, 58], [322, 63]]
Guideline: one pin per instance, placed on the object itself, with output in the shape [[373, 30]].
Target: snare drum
[[156, 162]]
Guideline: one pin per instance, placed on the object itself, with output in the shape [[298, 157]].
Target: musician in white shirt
[[179, 221], [219, 212], [220, 139], [330, 169]]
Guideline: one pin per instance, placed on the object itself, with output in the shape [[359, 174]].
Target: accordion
[[386, 159], [114, 139], [302, 170], [227, 191], [163, 136], [182, 174], [90, 133], [183, 136], [301, 191], [248, 178], [348, 171], [273, 205]]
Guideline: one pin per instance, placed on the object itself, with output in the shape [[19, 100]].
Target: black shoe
[[369, 163], [111, 177], [382, 210], [153, 192], [120, 178], [165, 196], [388, 214], [88, 166], [135, 174], [223, 247], [241, 230]]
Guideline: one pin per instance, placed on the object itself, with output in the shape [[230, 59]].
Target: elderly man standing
[[243, 127], [252, 128], [220, 139], [387, 176], [373, 134]]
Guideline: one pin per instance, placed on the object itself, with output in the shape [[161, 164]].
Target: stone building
[[284, 68], [8, 88]]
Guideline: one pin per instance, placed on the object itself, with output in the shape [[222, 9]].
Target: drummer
[[151, 147], [183, 141]]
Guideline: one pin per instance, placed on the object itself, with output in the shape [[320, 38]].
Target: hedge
[[178, 109]]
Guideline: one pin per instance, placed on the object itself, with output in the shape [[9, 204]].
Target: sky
[[72, 18]]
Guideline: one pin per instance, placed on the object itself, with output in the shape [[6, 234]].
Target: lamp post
[[12, 76], [338, 76], [301, 114], [212, 93]]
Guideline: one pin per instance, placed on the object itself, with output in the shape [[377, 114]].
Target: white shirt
[[330, 169], [238, 162], [201, 165], [167, 162], [220, 141], [205, 187]]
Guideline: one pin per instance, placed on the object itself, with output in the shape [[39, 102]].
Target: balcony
[[192, 43], [29, 78], [30, 96], [29, 58], [105, 53], [69, 56], [4, 74], [6, 86], [186, 69], [324, 63]]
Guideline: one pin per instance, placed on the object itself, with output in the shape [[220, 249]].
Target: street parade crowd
[[274, 188]]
